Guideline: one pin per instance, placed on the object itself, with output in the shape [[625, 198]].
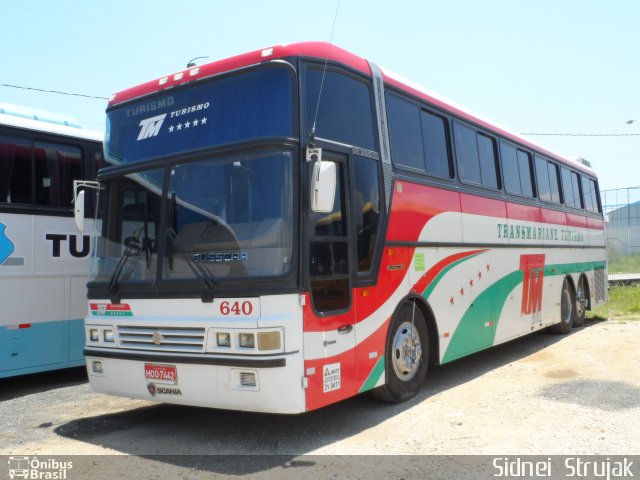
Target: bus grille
[[162, 339]]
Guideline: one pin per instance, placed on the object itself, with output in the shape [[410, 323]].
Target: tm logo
[[6, 245], [151, 126]]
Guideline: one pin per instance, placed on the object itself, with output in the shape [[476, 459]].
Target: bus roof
[[46, 122], [35, 114], [326, 51]]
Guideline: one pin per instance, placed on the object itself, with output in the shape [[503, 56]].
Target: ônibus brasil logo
[[151, 126], [34, 468]]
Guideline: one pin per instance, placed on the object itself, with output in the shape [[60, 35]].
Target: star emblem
[[171, 128], [195, 122], [461, 291], [451, 300], [187, 124], [179, 126], [203, 121]]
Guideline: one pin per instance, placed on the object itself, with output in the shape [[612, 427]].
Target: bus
[[44, 261], [292, 226]]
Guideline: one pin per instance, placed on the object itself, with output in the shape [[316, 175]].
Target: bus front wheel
[[406, 355]]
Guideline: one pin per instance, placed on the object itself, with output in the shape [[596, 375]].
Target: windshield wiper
[[133, 248], [201, 272]]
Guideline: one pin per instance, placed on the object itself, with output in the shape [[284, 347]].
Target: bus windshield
[[249, 105], [225, 218]]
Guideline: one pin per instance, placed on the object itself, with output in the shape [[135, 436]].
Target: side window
[[367, 209], [567, 188], [575, 181], [586, 192], [487, 155], [404, 133], [554, 182], [436, 149], [589, 191], [548, 176], [467, 154], [596, 196], [524, 167], [542, 175], [571, 188], [56, 166], [16, 170], [344, 109], [510, 168], [476, 156]]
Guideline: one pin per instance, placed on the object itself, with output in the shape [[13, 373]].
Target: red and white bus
[[290, 227]]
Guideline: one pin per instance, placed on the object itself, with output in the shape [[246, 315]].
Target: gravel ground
[[543, 394]]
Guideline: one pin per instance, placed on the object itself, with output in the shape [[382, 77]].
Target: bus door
[[330, 318]]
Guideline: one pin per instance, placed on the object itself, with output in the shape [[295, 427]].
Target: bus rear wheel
[[567, 310], [582, 302], [406, 355]]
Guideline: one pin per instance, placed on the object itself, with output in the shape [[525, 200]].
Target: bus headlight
[[94, 335], [269, 341], [109, 336], [247, 340]]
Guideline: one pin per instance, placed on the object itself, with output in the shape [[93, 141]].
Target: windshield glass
[[226, 218], [231, 218], [248, 105], [127, 250]]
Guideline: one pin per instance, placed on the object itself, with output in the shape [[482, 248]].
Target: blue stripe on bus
[[38, 347]]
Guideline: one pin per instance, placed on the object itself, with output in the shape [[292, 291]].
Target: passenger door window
[[329, 253]]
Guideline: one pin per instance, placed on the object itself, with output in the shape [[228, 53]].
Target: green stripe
[[568, 268], [471, 335], [374, 376]]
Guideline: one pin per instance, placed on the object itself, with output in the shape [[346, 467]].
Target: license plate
[[161, 373]]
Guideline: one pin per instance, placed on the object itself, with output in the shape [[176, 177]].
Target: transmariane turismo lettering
[[522, 232]]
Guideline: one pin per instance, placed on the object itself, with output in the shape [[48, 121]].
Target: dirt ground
[[543, 394]]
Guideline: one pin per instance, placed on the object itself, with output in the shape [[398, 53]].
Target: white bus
[[293, 226], [43, 259]]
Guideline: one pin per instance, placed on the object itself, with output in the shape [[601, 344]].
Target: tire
[[406, 355], [567, 310], [582, 302]]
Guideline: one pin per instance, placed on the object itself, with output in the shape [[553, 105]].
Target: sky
[[535, 66]]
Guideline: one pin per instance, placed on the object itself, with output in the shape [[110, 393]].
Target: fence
[[622, 216]]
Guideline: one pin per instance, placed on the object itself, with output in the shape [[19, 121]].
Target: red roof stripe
[[322, 51]]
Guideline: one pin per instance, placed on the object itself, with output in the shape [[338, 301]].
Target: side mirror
[[78, 210], [323, 189], [79, 198]]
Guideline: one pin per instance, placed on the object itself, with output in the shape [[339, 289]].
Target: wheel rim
[[581, 302], [567, 307], [407, 351]]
